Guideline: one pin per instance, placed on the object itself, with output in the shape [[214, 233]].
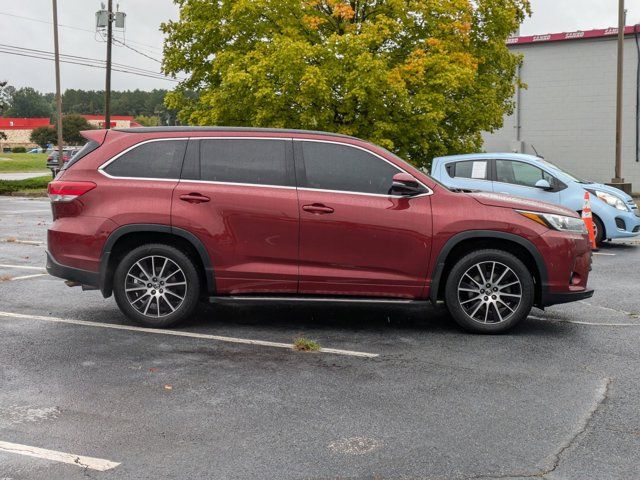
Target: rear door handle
[[194, 198], [317, 208]]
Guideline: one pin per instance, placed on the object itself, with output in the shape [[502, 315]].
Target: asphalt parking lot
[[557, 398]]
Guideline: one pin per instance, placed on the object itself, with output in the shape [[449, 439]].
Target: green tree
[[72, 125], [147, 121], [44, 136], [27, 102], [420, 77]]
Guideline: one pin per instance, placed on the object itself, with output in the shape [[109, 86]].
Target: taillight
[[61, 191]]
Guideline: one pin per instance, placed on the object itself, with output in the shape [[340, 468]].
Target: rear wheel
[[489, 291], [156, 285]]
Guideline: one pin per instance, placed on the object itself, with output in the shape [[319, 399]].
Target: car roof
[[489, 156], [183, 129]]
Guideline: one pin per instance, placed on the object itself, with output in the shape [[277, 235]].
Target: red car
[[166, 217]]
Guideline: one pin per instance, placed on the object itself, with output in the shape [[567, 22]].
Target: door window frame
[[559, 185], [301, 171]]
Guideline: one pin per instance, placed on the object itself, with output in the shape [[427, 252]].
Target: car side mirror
[[543, 184], [405, 184]]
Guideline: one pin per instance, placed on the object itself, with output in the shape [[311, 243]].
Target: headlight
[[562, 223], [610, 200]]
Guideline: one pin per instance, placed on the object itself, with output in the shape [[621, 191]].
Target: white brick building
[[568, 110]]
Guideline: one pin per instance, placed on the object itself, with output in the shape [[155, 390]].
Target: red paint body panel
[[250, 233], [368, 246]]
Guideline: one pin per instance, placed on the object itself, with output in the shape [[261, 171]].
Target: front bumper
[[83, 277], [554, 298]]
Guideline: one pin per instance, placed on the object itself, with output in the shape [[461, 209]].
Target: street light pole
[[107, 88], [58, 93]]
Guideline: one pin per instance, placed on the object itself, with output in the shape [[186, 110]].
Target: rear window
[[476, 169], [89, 147], [156, 159]]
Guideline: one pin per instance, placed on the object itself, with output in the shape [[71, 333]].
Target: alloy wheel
[[155, 286], [489, 292]]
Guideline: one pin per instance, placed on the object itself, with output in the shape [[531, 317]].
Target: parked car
[[615, 213], [52, 159], [35, 150], [164, 217]]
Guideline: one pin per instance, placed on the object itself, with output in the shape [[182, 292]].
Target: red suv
[[166, 217]]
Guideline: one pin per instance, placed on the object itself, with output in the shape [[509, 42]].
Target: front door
[[355, 237], [519, 178], [237, 195]]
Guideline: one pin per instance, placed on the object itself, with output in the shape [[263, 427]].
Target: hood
[[519, 203], [605, 188]]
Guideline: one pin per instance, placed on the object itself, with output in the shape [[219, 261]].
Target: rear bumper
[[83, 277], [554, 298]]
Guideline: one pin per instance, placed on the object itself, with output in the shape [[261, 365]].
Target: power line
[[73, 27], [137, 51], [77, 58], [97, 64]]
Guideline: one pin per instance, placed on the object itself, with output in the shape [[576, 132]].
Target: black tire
[[497, 303], [165, 308], [600, 232]]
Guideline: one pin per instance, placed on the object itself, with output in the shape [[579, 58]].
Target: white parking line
[[580, 322], [19, 212], [25, 277], [70, 458], [24, 242], [178, 333], [24, 267], [607, 254]]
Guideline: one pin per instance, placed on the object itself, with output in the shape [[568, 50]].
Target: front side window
[[475, 169], [253, 161], [330, 166], [520, 173], [157, 159]]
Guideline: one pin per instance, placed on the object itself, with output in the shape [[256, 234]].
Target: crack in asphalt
[[602, 394]]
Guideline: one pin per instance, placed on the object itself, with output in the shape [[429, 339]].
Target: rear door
[[237, 195], [356, 238]]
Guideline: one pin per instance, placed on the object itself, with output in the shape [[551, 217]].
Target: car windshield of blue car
[[570, 175]]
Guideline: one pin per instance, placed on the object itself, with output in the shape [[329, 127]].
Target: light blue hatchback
[[615, 213]]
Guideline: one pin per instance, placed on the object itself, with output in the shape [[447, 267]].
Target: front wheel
[[156, 285], [489, 291]]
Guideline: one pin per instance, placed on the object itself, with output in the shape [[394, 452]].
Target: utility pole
[[58, 93], [618, 181], [107, 87]]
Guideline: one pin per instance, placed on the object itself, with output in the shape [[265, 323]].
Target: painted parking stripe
[[25, 277], [23, 267], [177, 333], [70, 458], [25, 242], [607, 254]]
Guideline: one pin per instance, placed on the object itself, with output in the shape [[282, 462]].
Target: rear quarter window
[[474, 169], [89, 147], [155, 159]]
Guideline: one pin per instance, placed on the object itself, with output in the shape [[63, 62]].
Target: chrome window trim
[[400, 170], [128, 149], [101, 168]]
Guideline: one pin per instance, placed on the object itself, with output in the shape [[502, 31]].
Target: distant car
[[52, 159], [35, 150], [615, 213]]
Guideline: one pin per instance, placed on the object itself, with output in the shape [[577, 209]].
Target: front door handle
[[317, 208], [194, 198]]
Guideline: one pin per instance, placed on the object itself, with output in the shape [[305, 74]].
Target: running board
[[312, 299]]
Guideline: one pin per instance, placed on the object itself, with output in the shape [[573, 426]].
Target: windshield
[[570, 175]]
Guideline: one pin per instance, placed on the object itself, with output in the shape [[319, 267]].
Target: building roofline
[[577, 35], [185, 129]]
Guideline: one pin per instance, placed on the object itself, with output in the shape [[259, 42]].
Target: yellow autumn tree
[[419, 77]]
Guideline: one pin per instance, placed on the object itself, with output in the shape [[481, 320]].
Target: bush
[[30, 184], [19, 150]]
